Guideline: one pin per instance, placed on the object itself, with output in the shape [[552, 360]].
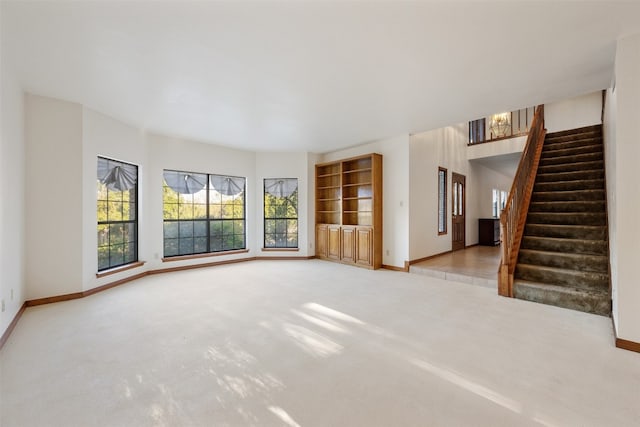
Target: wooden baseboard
[[622, 343], [284, 258], [415, 261], [628, 345], [56, 298], [14, 322], [404, 269]]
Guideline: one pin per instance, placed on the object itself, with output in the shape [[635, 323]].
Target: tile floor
[[476, 265]]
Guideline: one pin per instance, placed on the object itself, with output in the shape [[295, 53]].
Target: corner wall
[[622, 151], [12, 191]]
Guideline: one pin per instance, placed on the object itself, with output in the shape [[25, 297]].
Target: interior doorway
[[458, 211]]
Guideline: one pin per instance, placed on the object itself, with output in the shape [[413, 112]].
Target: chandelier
[[500, 124]]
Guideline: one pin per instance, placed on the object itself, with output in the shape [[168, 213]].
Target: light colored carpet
[[312, 343]]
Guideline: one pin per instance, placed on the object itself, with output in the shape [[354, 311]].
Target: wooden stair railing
[[514, 215]]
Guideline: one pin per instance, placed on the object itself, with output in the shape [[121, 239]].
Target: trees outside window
[[203, 213], [281, 213]]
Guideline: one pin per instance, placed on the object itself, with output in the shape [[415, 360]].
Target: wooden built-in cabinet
[[349, 211]]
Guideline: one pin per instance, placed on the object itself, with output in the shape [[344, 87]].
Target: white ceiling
[[311, 76]]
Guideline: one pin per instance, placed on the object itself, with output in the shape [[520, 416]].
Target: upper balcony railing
[[501, 126]]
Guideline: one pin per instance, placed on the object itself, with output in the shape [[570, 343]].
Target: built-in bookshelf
[[349, 210]]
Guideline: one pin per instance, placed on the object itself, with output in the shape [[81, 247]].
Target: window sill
[[119, 269], [280, 249], [207, 255]]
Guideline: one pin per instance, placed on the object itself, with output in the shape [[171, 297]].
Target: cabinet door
[[334, 242], [364, 246], [349, 244], [322, 237]]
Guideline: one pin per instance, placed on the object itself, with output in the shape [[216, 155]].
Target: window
[[281, 213], [203, 213], [442, 201], [499, 201], [117, 212]]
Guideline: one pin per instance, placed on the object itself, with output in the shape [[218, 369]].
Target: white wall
[[573, 113], [447, 148], [107, 137], [622, 145], [283, 165], [497, 148], [180, 154], [486, 180], [395, 193], [12, 190], [53, 192]]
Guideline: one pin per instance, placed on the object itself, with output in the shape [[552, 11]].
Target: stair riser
[[591, 184], [571, 167], [578, 196], [570, 176], [557, 145], [582, 280], [593, 263], [580, 301], [590, 206], [572, 151], [567, 232], [580, 218], [572, 246], [563, 160]]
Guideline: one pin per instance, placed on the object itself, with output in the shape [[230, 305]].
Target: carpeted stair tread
[[568, 206], [586, 232], [576, 195], [570, 176], [573, 143], [595, 148], [585, 184], [587, 300], [567, 218], [591, 129], [563, 160], [563, 258], [573, 166], [562, 277], [568, 261], [567, 245]]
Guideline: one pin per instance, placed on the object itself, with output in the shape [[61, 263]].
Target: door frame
[[457, 178]]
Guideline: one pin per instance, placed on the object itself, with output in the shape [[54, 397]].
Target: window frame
[[109, 223], [209, 219], [442, 200], [275, 218]]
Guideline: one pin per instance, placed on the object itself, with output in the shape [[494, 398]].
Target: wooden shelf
[[358, 184], [357, 170], [351, 232]]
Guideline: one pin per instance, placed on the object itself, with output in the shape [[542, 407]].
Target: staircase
[[564, 254]]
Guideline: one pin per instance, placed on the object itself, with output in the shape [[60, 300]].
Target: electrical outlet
[[11, 294], [387, 252], [3, 306]]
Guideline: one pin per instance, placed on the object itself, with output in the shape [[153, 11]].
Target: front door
[[458, 211]]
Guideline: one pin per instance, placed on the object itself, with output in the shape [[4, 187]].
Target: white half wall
[[585, 110], [53, 135], [395, 193], [622, 145]]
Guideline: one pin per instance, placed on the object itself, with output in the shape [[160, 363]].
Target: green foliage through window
[[281, 213], [200, 217], [117, 228]]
